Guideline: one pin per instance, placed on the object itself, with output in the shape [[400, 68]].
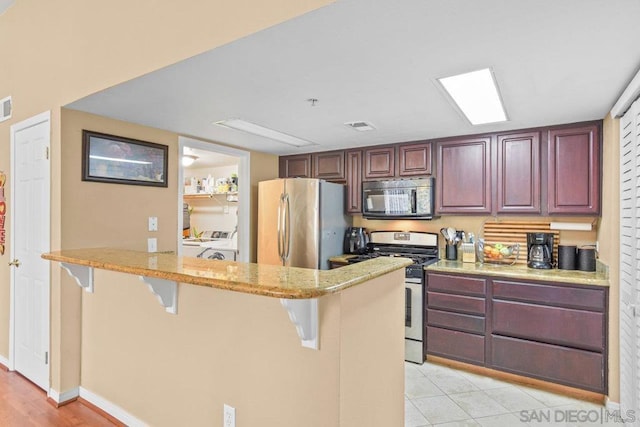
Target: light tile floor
[[436, 395]]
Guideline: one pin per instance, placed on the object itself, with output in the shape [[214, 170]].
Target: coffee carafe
[[540, 250]]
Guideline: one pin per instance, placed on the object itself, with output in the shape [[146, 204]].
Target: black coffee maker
[[355, 240], [540, 250]]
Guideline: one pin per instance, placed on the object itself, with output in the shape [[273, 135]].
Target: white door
[[630, 265], [30, 214]]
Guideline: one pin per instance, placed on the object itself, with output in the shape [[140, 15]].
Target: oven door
[[413, 309]]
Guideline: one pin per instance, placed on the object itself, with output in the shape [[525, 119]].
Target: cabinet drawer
[[556, 325], [458, 321], [455, 345], [460, 303], [576, 368], [456, 284], [556, 295]]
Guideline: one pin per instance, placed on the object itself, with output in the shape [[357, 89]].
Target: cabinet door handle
[[15, 262]]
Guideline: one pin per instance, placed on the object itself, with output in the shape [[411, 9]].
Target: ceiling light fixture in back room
[[254, 129], [188, 159], [477, 96]]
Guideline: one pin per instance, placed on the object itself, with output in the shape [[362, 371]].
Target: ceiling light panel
[[255, 129], [476, 94]]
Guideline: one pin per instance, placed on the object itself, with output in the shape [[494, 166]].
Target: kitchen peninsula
[[241, 349]]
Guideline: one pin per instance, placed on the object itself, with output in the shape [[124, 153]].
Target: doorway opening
[[213, 201]]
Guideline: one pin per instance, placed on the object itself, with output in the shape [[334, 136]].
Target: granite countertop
[[596, 278], [258, 279]]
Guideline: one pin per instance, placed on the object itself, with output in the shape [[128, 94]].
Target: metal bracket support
[[82, 274], [303, 313], [165, 290]]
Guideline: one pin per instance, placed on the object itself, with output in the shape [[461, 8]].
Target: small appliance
[[398, 198], [355, 240], [540, 250]]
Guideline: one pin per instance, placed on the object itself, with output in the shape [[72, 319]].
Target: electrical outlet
[[229, 416], [152, 244], [153, 223]]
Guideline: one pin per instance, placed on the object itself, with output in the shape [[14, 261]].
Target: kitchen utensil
[[451, 252], [452, 233], [468, 252]]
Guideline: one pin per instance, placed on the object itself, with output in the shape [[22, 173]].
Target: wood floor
[[22, 404]]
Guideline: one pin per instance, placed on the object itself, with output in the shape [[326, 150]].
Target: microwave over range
[[398, 198]]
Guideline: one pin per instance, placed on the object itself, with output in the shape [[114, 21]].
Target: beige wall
[[474, 224], [57, 52], [242, 350]]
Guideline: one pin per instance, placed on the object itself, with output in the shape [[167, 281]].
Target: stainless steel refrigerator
[[301, 222]]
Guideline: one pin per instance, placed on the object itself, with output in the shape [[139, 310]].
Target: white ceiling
[[378, 60], [210, 159]]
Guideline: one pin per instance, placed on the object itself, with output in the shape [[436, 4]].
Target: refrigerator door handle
[[287, 227], [280, 231]]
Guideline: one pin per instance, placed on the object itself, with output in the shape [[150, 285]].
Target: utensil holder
[[451, 252], [468, 252]]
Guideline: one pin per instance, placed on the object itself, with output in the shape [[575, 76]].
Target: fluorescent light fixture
[[188, 159], [255, 129], [577, 226], [115, 159], [476, 95]]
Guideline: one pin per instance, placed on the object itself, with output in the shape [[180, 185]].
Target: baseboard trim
[[108, 409], [60, 399], [611, 405], [577, 393], [4, 363]]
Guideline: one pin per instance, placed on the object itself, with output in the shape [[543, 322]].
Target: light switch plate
[[153, 223]]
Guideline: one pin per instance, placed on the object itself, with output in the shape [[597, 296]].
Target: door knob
[[15, 262]]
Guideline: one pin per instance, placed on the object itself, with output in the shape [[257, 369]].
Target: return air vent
[[360, 126], [5, 109]]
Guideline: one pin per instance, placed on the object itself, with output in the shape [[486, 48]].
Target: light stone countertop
[[596, 278], [258, 279]]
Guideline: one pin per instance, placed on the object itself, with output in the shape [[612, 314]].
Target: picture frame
[[119, 160]]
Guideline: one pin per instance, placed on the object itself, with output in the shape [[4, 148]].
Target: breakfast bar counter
[[283, 346], [258, 279]]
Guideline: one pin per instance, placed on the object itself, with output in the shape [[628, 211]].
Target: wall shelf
[[231, 196]]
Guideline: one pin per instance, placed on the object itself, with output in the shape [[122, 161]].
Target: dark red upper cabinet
[[463, 183], [329, 165], [414, 159], [518, 173], [574, 170], [379, 162], [297, 166], [354, 181]]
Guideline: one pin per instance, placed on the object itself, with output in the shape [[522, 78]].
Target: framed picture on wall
[[119, 160]]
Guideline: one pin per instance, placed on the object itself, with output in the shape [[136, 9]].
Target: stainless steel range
[[422, 248]]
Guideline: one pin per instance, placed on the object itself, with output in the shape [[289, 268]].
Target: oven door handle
[[413, 280]]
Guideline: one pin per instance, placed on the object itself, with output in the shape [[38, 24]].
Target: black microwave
[[398, 198]]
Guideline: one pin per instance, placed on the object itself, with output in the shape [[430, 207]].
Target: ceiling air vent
[[5, 109], [360, 126]]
